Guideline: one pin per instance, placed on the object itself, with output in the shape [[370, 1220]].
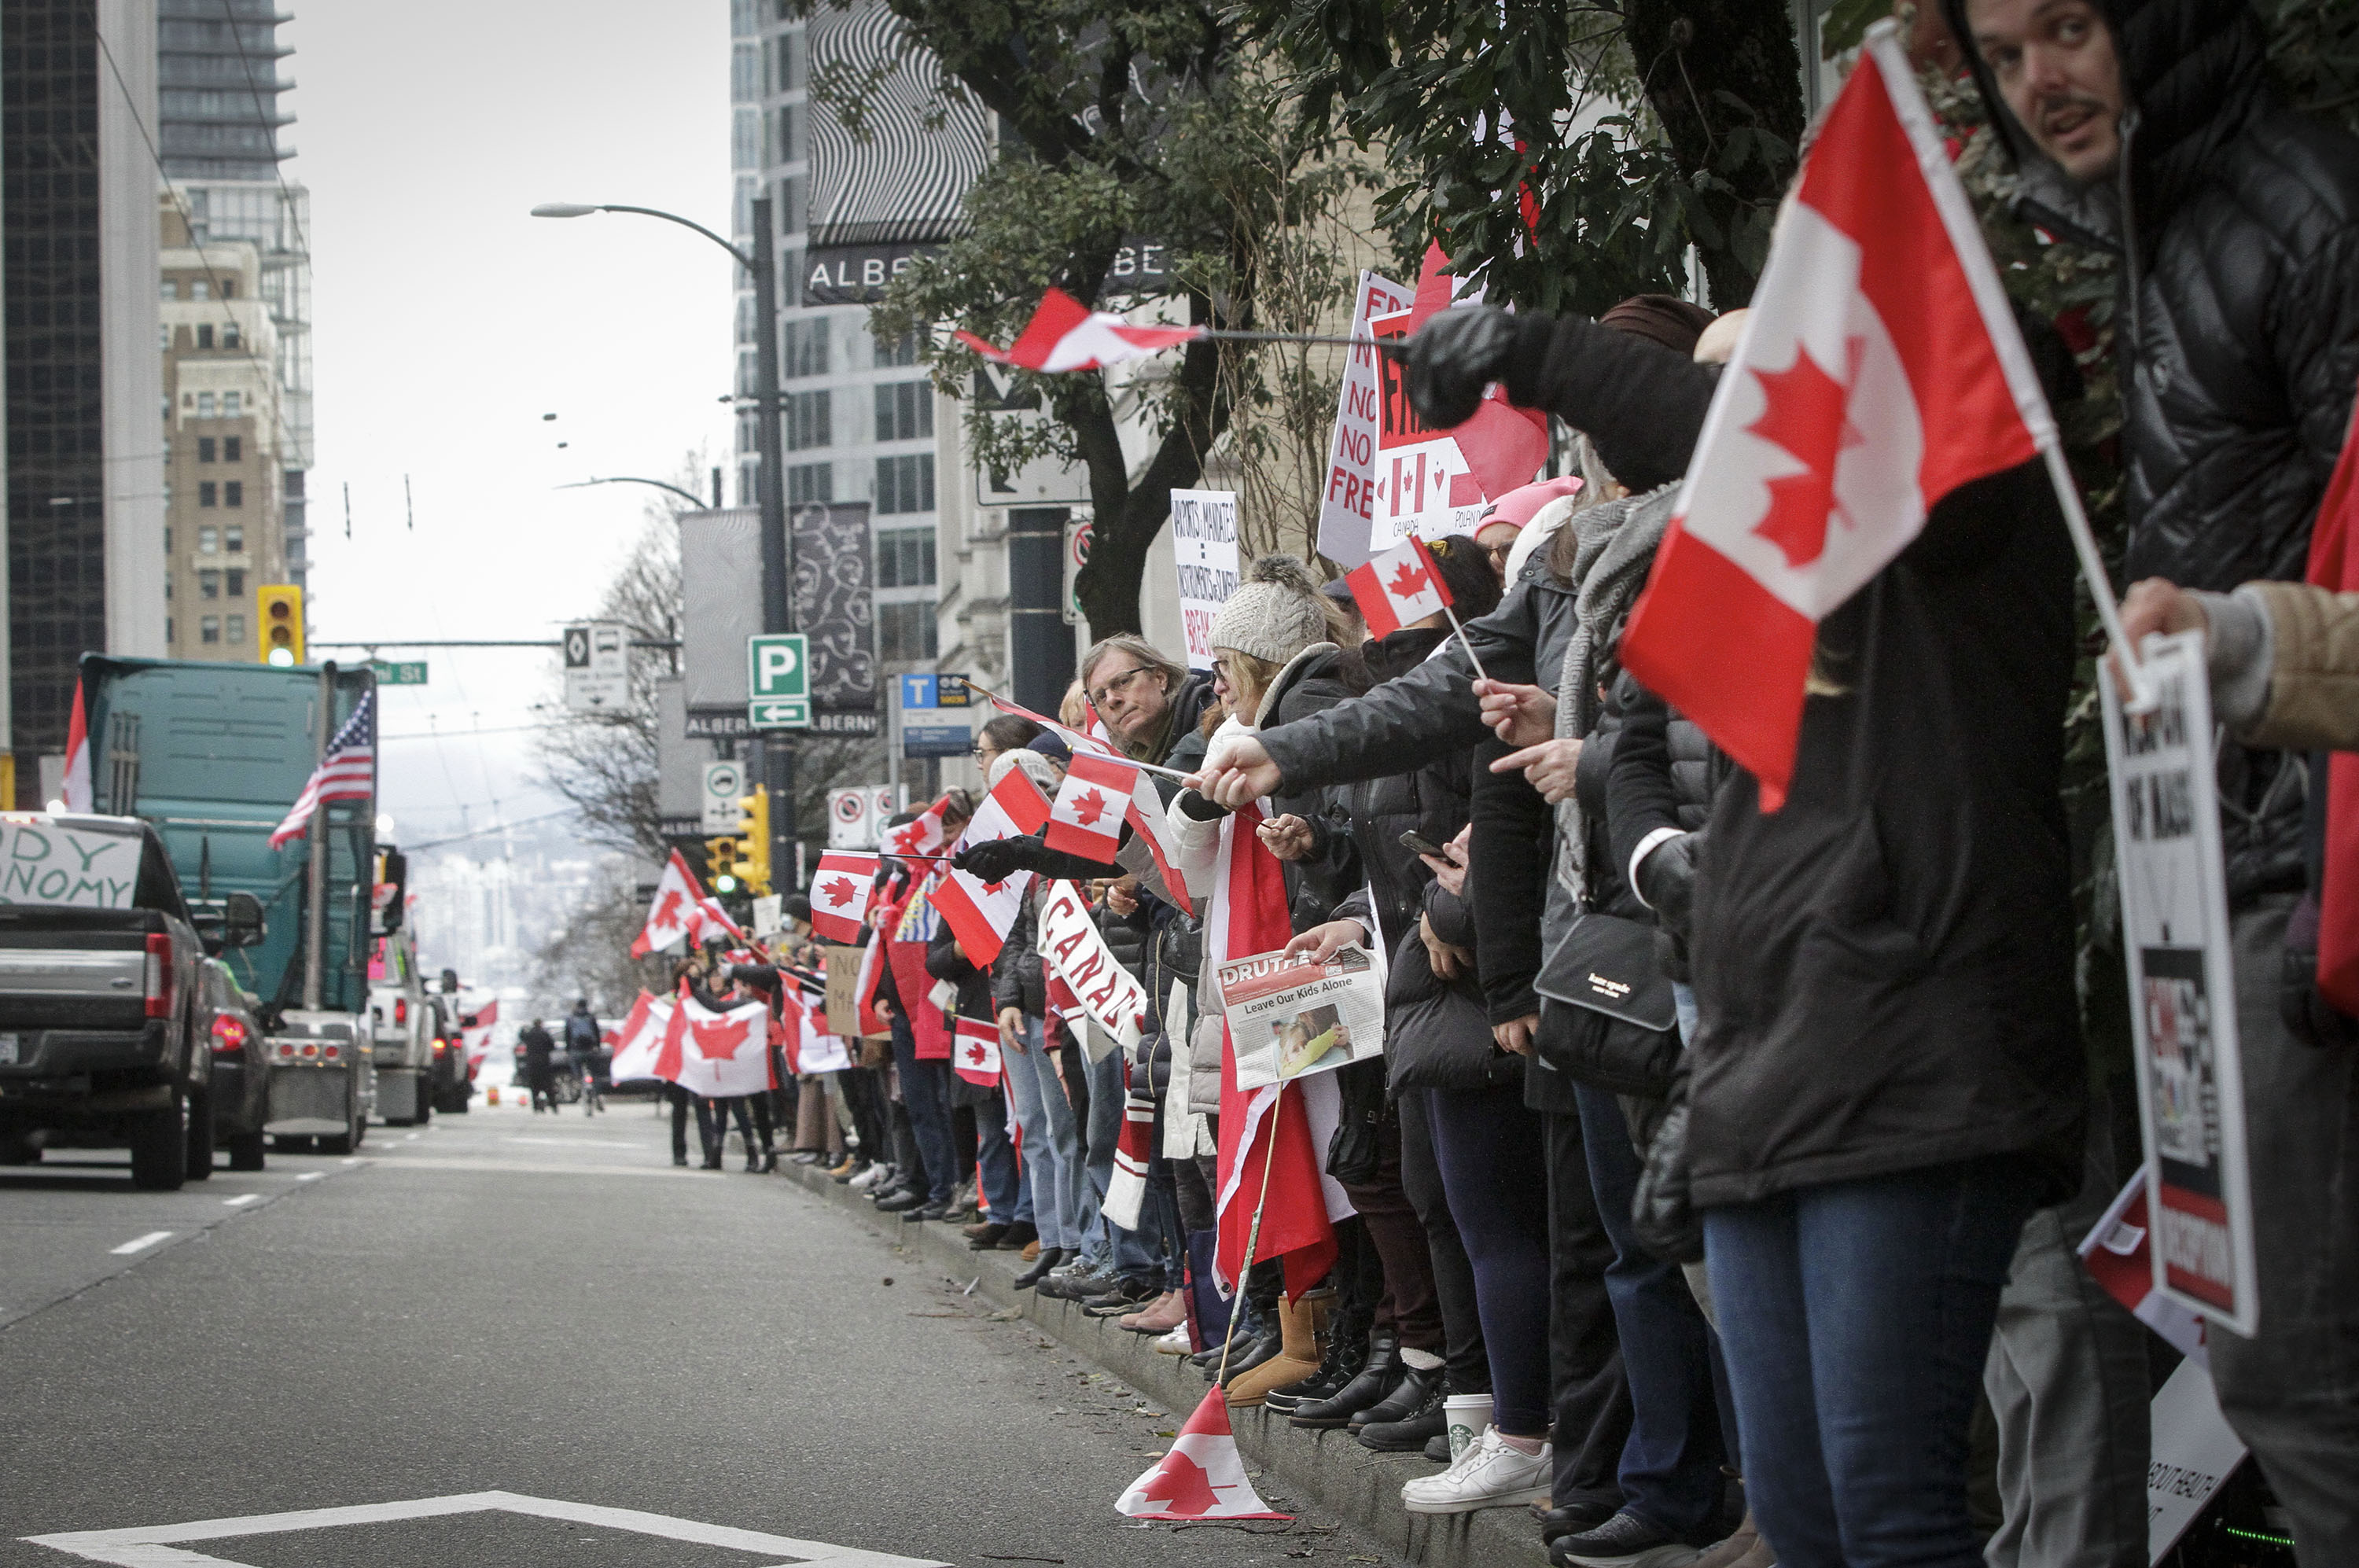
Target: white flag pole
[[1253, 1239], [1469, 647], [2101, 588]]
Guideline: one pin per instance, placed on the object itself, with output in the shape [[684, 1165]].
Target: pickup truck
[[104, 1026]]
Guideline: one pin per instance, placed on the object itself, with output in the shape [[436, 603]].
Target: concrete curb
[[1326, 1467]]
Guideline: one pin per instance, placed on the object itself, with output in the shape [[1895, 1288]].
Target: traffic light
[[281, 624], [721, 855], [752, 866]]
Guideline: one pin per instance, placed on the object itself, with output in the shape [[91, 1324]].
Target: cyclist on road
[[582, 1041]]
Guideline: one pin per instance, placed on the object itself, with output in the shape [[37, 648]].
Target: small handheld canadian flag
[[1203, 1476], [1065, 334], [1399, 588], [840, 894], [977, 1055], [1088, 816]]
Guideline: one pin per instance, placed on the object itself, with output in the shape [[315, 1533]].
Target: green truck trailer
[[214, 755]]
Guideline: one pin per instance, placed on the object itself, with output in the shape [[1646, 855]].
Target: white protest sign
[[1071, 945], [2193, 1450], [2183, 987], [1348, 503], [43, 863], [1291, 1017], [1204, 545], [769, 914], [1424, 485]]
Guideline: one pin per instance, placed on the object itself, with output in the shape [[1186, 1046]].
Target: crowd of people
[[1718, 1269]]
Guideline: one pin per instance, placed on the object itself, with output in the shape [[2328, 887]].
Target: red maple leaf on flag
[[719, 1041], [1810, 416], [995, 888], [1181, 1486], [838, 892], [975, 1055], [1088, 807], [1408, 582], [668, 909]]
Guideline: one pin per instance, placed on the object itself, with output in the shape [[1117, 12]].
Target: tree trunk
[[1686, 51]]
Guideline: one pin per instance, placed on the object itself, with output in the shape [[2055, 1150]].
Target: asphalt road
[[515, 1340]]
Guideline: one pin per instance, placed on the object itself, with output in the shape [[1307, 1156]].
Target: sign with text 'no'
[[778, 681]]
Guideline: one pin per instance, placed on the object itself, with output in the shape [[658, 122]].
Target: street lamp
[[691, 496], [770, 486]]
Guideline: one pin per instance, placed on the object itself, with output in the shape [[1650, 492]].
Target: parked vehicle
[[241, 1088], [213, 756], [454, 1084], [104, 1024], [400, 1028]]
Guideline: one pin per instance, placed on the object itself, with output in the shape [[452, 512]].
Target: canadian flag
[[477, 1034], [980, 912], [840, 895], [922, 835], [677, 910], [77, 791], [1088, 815], [638, 1042], [1065, 334], [2118, 1256], [1145, 811], [1399, 588], [722, 1053], [976, 1055], [1880, 370], [1202, 1477]]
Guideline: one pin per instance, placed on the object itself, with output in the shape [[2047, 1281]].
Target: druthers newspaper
[[1292, 1017]]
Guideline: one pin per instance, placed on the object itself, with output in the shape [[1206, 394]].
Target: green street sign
[[778, 681], [779, 713], [406, 673]]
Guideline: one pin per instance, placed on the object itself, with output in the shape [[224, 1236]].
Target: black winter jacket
[[1437, 1034], [2237, 222]]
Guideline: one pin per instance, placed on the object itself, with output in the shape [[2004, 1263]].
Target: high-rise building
[[85, 484], [223, 434], [219, 87], [859, 417]]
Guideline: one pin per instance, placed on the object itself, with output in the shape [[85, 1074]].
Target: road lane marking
[[580, 1142], [550, 1168], [241, 1200], [141, 1243], [150, 1546], [311, 1176], [409, 1138]]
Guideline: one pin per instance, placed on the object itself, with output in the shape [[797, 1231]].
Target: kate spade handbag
[[1609, 965]]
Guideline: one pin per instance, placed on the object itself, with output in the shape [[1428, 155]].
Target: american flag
[[349, 773]]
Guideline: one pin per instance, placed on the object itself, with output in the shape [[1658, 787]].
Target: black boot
[[1245, 1356], [1048, 1258], [1347, 1351], [1413, 1430], [1375, 1384], [1417, 1385]]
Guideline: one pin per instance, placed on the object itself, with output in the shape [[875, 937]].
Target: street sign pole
[[770, 487]]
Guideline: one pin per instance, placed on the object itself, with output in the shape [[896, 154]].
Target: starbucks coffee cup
[[1465, 1417]]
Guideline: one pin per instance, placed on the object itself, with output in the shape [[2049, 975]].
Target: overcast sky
[[447, 321]]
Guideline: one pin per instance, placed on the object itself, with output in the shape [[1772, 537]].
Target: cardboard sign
[[1204, 546], [1070, 941], [2182, 988], [44, 863], [843, 992], [1348, 504]]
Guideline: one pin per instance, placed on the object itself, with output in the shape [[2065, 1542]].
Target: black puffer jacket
[[2238, 222], [1437, 1034]]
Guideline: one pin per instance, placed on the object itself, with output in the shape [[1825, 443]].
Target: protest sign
[[2182, 988], [1204, 546], [1425, 487], [1291, 1017], [1070, 943], [844, 991], [1348, 504], [80, 869]]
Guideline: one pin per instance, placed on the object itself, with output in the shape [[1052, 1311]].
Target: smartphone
[[1416, 842]]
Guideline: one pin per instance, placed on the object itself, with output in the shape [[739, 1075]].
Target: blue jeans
[[1670, 1466], [925, 1094], [1052, 1145], [1006, 1191], [1105, 1127], [1858, 1315]]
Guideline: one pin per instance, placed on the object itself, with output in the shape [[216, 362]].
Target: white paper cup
[[1464, 1416]]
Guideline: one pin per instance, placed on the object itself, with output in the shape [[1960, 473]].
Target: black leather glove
[[1666, 881], [1452, 358], [990, 861]]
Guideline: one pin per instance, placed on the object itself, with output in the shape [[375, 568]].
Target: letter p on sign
[[776, 666]]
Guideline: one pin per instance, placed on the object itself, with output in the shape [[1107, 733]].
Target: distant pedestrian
[[537, 1047]]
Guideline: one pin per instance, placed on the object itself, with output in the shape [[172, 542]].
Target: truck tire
[[159, 1152], [291, 1143], [15, 1149], [341, 1143], [425, 1104], [245, 1151], [201, 1135]]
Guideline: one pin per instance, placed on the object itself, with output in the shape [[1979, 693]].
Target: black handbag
[[1353, 1154], [1609, 965]]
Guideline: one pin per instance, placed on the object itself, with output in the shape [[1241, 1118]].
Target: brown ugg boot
[[1297, 1356]]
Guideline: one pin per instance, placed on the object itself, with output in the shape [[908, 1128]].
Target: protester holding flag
[[2153, 128], [933, 1177], [1006, 1191]]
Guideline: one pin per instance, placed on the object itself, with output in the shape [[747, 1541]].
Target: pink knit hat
[[1519, 507]]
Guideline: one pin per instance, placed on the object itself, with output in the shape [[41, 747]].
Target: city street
[[558, 1348]]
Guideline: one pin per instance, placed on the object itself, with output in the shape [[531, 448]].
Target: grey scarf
[[1616, 545]]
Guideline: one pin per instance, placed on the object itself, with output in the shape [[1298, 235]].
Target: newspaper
[[1291, 1017]]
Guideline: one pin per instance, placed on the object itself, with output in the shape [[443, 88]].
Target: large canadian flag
[[638, 1042], [1088, 815], [677, 910], [1202, 1477], [980, 912], [1880, 370], [840, 894], [722, 1053]]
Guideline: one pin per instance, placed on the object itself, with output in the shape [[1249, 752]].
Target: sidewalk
[[1328, 1467]]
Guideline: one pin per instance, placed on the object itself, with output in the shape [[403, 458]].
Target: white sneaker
[[1491, 1474], [869, 1178], [1176, 1343]]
